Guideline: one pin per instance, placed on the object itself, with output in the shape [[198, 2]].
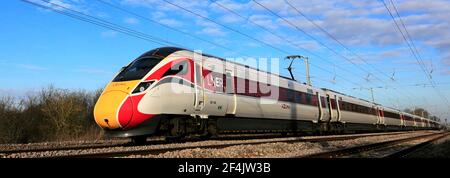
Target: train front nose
[[114, 109]]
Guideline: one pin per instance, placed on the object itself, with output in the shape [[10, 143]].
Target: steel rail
[[122, 153], [365, 148]]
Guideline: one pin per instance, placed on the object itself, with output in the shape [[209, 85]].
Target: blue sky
[[40, 47]]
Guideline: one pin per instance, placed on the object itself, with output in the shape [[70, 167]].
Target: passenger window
[[308, 99], [289, 95], [298, 97]]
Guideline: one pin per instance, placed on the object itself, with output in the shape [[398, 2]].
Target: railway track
[[140, 150], [407, 151], [375, 149], [75, 147], [161, 141]]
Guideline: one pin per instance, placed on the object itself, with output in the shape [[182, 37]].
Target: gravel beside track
[[274, 147], [437, 148], [396, 148], [52, 145]]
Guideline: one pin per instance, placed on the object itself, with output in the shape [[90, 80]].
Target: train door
[[331, 103], [319, 104], [325, 105], [199, 94], [338, 108], [380, 116], [231, 94], [402, 120]]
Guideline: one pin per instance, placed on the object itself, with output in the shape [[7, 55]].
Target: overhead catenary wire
[[337, 41], [318, 41], [278, 36], [99, 22], [406, 40], [408, 35], [428, 73], [427, 76], [332, 37], [225, 26], [135, 14], [314, 38], [241, 33], [166, 26], [282, 38], [129, 29], [112, 26]]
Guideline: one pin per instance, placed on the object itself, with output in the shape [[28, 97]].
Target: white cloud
[[197, 6], [355, 23], [171, 22], [103, 15], [231, 18], [63, 5], [263, 20], [131, 20], [210, 28], [272, 39], [204, 23], [109, 34], [310, 45], [232, 5], [162, 18], [212, 31], [252, 44], [270, 4], [158, 15], [145, 3], [31, 67], [90, 70]]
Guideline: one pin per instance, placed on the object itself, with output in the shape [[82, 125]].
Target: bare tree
[[51, 114]]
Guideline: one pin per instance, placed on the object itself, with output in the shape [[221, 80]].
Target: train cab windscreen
[[138, 69]]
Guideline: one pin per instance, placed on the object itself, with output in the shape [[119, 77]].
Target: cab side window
[[180, 68]]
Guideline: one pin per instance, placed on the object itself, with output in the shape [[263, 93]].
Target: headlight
[[142, 87]]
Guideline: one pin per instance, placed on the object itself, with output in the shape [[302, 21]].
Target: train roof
[[161, 52], [169, 50], [326, 89]]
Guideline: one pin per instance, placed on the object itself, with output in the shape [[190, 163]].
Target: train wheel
[[212, 129], [139, 140], [177, 129]]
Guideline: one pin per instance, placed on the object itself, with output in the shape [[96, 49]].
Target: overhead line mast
[[292, 58]]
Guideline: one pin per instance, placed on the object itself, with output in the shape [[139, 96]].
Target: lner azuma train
[[177, 92]]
